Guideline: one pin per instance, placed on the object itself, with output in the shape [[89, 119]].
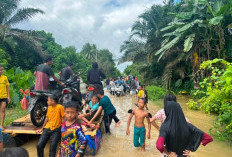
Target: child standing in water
[[73, 141], [139, 127], [145, 96]]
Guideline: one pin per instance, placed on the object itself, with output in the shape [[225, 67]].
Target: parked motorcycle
[[38, 103]]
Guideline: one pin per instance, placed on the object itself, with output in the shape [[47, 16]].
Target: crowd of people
[[177, 136], [130, 82]]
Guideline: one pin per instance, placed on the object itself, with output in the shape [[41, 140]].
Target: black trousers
[[54, 136], [108, 119]]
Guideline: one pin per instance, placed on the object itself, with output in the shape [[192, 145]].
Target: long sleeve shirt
[[161, 141]]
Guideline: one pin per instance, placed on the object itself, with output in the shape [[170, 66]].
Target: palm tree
[[89, 52], [11, 15]]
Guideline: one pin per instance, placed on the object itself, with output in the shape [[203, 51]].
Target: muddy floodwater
[[118, 144]]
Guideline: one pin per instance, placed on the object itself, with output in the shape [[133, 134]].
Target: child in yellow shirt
[[4, 95], [51, 127], [141, 93]]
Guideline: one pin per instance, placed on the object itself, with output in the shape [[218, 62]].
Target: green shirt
[[106, 105]]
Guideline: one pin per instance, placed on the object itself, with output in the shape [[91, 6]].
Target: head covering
[[95, 65], [178, 134]]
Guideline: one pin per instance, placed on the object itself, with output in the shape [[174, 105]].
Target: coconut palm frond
[[23, 14], [30, 42]]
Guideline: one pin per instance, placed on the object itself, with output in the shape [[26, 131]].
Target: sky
[[106, 23]]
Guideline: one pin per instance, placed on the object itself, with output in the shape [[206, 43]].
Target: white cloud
[[106, 23]]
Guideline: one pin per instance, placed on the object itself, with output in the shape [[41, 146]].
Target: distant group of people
[[129, 81]]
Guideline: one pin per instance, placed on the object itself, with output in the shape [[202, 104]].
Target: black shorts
[[4, 100]]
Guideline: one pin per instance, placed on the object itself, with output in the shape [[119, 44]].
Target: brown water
[[118, 144]]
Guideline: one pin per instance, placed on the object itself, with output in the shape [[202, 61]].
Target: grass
[[13, 114]]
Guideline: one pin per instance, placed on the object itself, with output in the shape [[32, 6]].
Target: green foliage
[[215, 94], [180, 37], [193, 105], [21, 46], [18, 79], [4, 58], [106, 63], [104, 58], [155, 92], [136, 70]]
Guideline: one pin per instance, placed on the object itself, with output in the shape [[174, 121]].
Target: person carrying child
[[51, 127], [4, 95], [109, 111], [139, 127], [73, 141]]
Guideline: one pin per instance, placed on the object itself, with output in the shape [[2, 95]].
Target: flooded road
[[118, 144]]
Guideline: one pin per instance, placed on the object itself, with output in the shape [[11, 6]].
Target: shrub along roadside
[[215, 96], [155, 92]]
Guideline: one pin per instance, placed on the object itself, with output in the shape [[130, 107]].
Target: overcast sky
[[106, 23]]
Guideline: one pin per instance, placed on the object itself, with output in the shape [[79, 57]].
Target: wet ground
[[118, 144]]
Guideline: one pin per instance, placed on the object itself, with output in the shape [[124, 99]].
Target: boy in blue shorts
[[139, 127]]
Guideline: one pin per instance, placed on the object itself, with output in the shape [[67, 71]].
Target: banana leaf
[[168, 45], [216, 20], [188, 43]]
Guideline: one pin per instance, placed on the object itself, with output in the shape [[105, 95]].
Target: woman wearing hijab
[[176, 135]]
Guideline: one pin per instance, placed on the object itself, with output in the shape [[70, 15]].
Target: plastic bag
[[24, 102]]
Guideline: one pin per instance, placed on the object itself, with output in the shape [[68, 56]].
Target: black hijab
[[178, 134]]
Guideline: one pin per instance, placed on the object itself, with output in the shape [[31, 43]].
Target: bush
[[214, 95], [193, 105], [155, 93], [18, 79]]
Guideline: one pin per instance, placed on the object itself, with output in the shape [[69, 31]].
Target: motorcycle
[[112, 90], [128, 89], [119, 90], [38, 103]]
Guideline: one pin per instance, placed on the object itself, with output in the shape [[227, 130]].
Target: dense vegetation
[[214, 95], [170, 42], [179, 46]]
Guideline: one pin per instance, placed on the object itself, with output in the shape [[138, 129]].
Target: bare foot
[[117, 124], [143, 148]]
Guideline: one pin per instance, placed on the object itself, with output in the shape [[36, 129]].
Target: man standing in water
[[94, 76], [43, 73]]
